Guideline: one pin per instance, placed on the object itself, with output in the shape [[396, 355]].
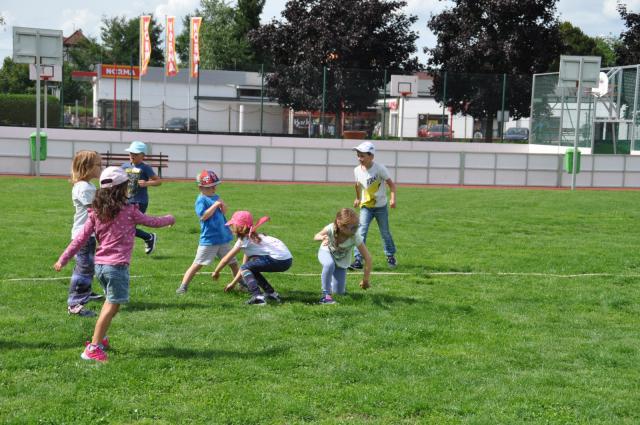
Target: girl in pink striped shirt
[[114, 223]]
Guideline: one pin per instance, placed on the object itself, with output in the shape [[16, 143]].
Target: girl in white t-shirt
[[338, 240], [262, 253], [84, 167]]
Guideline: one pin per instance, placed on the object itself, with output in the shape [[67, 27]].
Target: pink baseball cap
[[112, 176], [207, 178], [244, 218]]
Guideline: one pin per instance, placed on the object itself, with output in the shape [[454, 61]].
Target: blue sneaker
[[356, 265]]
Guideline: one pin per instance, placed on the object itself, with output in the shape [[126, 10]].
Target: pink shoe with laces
[[95, 353]]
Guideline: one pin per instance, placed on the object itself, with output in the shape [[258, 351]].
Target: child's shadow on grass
[[380, 300], [6, 344], [146, 305], [190, 353]]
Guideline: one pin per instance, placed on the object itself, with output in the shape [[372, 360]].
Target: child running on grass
[[84, 167], [338, 240], [371, 196], [262, 253], [214, 234], [141, 176], [114, 222]]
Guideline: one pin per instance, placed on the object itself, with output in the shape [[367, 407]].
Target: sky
[[594, 17]]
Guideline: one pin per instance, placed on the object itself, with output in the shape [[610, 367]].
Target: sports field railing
[[255, 158]]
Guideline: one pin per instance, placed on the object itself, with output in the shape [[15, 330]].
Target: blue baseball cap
[[137, 147]]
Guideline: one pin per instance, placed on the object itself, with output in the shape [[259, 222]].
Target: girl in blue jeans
[[338, 240], [262, 253]]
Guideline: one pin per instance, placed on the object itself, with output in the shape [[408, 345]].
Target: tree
[[120, 41], [14, 78], [355, 39], [628, 51], [575, 42], [222, 44], [514, 37]]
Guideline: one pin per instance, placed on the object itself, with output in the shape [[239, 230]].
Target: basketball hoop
[[405, 93]]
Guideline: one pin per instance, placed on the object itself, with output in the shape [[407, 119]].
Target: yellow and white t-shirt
[[372, 185]]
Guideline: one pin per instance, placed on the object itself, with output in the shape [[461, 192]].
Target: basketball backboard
[[47, 72], [404, 85], [29, 43], [570, 70]]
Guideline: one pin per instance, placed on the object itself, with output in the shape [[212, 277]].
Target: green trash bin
[[43, 146], [568, 161]]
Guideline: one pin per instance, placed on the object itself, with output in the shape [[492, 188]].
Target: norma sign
[[119, 71]]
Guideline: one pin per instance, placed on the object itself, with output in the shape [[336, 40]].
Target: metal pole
[[324, 97], [62, 97], [261, 99], [384, 103], [198, 100], [45, 105], [131, 92], [444, 100], [504, 90], [634, 126], [115, 106], [577, 135], [37, 104]]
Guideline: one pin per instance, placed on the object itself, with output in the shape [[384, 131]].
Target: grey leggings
[[334, 278]]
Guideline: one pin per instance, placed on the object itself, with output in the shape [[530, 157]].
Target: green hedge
[[20, 109]]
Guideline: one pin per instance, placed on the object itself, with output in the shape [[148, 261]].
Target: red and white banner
[[194, 46], [145, 44], [171, 64]]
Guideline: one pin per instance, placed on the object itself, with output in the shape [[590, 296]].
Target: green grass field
[[508, 307]]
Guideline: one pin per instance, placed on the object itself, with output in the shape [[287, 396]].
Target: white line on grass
[[556, 275]]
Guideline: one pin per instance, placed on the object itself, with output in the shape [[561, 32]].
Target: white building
[[222, 101]]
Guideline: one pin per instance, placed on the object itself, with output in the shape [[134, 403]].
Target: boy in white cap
[[141, 176], [371, 196]]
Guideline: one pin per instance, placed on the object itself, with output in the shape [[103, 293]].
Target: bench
[[158, 161]]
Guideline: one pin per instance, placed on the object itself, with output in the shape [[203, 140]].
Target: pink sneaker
[[94, 352], [104, 344]]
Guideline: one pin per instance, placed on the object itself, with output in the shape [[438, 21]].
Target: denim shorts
[[115, 282]]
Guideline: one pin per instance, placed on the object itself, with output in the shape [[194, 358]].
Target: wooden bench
[[158, 161]]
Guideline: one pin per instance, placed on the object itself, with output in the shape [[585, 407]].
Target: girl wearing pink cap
[[113, 221], [262, 253]]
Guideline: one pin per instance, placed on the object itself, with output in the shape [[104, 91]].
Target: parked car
[[515, 133], [180, 124], [438, 132]]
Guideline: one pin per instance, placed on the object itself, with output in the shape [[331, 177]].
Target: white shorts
[[207, 253]]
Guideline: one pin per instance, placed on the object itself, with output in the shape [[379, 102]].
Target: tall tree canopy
[[121, 43], [355, 39], [575, 42], [223, 35], [628, 50], [514, 37]]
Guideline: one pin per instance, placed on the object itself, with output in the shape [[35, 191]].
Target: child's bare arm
[[212, 209], [322, 236], [234, 282], [367, 266], [392, 189], [224, 261]]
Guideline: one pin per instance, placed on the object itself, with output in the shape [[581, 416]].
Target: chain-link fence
[[606, 119]]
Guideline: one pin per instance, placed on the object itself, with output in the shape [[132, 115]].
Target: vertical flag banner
[[171, 64], [194, 46], [145, 44]]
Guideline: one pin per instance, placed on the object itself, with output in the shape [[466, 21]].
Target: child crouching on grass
[[262, 253], [214, 234], [114, 222], [338, 240]]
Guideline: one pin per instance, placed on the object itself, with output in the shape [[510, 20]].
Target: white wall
[[327, 160]]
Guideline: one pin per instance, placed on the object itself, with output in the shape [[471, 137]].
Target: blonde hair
[[344, 217], [83, 164]]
